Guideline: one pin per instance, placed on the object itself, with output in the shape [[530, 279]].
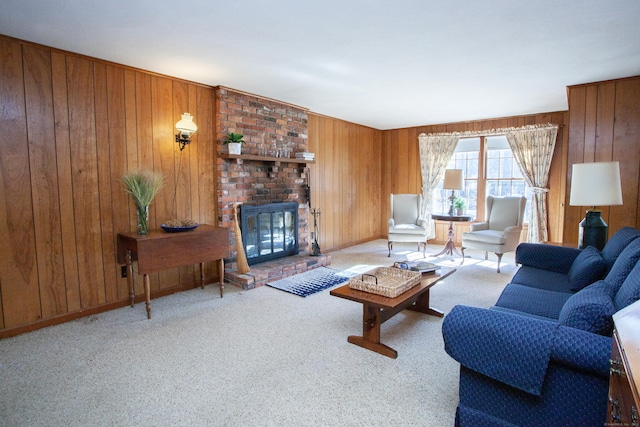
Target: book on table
[[423, 266]]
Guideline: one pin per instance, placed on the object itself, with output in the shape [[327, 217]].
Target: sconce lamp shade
[[453, 179], [186, 125], [595, 184], [185, 128]]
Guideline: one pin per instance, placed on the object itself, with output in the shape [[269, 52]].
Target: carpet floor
[[253, 358]]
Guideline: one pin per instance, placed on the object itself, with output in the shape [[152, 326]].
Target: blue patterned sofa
[[540, 355]]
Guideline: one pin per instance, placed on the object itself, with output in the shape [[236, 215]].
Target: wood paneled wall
[[345, 181], [401, 164], [71, 126], [605, 126]]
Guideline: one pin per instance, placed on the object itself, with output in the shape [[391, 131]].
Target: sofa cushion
[[589, 310], [546, 257], [617, 243], [627, 259], [539, 302], [542, 279], [521, 313], [588, 267], [629, 292]]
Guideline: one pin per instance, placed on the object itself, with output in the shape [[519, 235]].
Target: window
[[495, 173]]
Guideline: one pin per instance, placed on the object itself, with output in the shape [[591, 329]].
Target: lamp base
[[451, 199], [593, 231]]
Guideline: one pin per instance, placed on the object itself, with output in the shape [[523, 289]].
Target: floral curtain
[[435, 152], [532, 147]]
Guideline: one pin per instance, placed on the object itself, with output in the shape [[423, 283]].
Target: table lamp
[[595, 184], [453, 181]]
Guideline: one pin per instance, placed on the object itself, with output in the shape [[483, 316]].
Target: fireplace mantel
[[265, 158]]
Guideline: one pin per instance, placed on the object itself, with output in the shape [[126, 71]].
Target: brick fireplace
[[268, 126]]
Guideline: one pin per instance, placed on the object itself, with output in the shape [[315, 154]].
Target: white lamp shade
[[186, 125], [595, 184], [453, 179]]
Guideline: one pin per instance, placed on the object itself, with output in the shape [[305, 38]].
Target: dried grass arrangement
[[142, 185]]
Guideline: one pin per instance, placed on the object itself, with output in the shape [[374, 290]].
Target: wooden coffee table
[[377, 309]]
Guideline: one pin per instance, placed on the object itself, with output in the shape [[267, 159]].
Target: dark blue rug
[[312, 281]]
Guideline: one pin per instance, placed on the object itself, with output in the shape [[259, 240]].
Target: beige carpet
[[261, 357]]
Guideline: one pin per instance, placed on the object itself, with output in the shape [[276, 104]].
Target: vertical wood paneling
[[557, 174], [192, 209], [590, 124], [577, 115], [18, 270], [345, 181], [117, 125], [145, 152], [84, 170], [164, 160], [65, 186], [179, 185], [61, 198], [132, 138], [612, 109], [103, 152], [44, 178], [626, 149]]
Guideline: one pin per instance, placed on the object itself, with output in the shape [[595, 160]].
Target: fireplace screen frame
[[280, 219]]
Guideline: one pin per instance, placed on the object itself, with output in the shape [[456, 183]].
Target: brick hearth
[[270, 271]]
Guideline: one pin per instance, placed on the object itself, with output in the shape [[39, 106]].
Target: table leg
[[450, 246], [370, 339], [202, 275], [132, 292], [221, 270], [422, 306], [147, 293]]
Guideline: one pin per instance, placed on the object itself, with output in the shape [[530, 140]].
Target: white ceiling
[[385, 64]]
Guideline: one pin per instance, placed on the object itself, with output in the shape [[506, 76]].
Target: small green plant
[[459, 203], [234, 138]]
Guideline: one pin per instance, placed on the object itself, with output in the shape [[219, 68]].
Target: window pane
[[505, 167], [468, 145], [516, 170], [493, 167]]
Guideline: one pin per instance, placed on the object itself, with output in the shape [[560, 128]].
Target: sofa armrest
[[391, 222], [509, 348], [477, 226], [516, 350], [422, 223], [582, 350], [546, 257]]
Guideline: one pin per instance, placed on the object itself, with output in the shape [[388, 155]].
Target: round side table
[[450, 246]]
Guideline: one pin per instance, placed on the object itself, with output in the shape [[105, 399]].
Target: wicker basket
[[387, 281]]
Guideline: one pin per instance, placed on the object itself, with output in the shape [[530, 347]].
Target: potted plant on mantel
[[234, 141]]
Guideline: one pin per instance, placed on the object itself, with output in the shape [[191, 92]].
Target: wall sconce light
[[595, 184], [185, 128]]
